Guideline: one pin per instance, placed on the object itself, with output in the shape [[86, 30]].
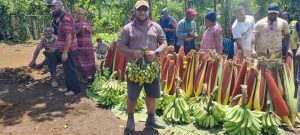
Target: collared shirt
[[66, 26], [48, 44], [182, 31], [136, 36], [270, 35]]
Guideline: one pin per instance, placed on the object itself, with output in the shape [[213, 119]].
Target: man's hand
[[290, 52], [254, 54], [150, 55], [64, 56], [192, 35], [166, 29], [32, 64], [137, 54]]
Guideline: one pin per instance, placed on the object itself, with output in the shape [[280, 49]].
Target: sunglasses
[[143, 8]]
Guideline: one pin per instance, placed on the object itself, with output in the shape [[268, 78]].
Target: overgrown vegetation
[[108, 16]]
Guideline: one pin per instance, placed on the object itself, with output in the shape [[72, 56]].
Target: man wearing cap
[[142, 33], [242, 30], [67, 43], [186, 31], [212, 36], [169, 24], [48, 41], [269, 33]]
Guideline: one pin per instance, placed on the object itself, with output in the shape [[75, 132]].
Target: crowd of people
[[68, 42]]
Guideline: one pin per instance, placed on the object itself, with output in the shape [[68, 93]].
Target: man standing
[[142, 33], [51, 53], [67, 43], [169, 24], [186, 31], [269, 33], [100, 48], [242, 31], [294, 31]]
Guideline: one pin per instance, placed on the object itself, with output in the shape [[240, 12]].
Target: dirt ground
[[29, 106]]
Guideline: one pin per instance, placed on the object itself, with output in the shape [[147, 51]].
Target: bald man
[[242, 30]]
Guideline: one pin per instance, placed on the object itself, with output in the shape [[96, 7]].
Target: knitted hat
[[211, 16]]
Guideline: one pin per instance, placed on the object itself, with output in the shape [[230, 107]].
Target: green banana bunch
[[105, 72], [197, 102], [239, 120], [205, 119], [141, 72], [98, 82], [92, 89], [162, 102], [210, 114], [110, 91], [270, 123], [140, 102], [270, 120], [177, 112]]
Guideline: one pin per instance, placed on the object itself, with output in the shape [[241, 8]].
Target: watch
[[157, 53]]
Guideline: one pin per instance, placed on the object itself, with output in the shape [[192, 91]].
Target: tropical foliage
[[109, 16]]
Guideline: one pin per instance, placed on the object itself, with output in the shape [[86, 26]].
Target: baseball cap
[[273, 8], [191, 11], [54, 3], [164, 12], [140, 3]]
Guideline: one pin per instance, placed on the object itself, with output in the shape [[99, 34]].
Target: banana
[[236, 131], [241, 116], [211, 121], [237, 116], [268, 119]]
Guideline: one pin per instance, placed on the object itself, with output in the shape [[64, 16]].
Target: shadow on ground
[[21, 96]]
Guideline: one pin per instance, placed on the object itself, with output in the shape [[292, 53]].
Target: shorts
[[152, 90]]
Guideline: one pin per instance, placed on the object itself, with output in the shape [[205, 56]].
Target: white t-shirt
[[244, 30]]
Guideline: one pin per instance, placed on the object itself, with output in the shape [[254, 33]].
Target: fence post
[[13, 25]]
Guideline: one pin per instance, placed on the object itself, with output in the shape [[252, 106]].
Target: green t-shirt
[[188, 27]]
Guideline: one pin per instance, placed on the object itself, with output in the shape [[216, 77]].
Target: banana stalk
[[260, 91], [289, 93]]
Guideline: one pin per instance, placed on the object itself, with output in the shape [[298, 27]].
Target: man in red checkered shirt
[[67, 44]]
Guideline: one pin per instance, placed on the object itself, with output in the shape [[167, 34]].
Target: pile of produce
[[215, 91], [177, 110]]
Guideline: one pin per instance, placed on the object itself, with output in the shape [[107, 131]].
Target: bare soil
[[29, 106]]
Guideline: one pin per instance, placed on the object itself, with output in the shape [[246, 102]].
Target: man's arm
[[123, 43], [35, 55], [298, 31], [174, 25], [287, 37], [239, 45]]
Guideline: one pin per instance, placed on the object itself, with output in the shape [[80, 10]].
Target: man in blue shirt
[[169, 24]]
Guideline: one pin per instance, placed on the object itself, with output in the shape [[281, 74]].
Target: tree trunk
[[150, 7], [35, 32], [215, 5]]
